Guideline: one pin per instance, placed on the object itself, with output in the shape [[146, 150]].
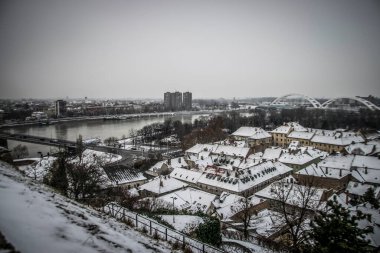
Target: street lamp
[[174, 198]]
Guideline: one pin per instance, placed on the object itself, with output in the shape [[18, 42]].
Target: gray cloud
[[122, 49]]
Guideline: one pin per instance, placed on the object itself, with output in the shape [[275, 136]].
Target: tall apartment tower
[[60, 108], [177, 105], [168, 100], [176, 101], [187, 100]]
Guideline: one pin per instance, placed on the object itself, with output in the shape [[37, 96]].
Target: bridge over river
[[127, 154]]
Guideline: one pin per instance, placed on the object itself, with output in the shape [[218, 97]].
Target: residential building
[[187, 101], [257, 138], [176, 101], [280, 134]]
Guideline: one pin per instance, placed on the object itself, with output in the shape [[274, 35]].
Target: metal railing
[[155, 229]]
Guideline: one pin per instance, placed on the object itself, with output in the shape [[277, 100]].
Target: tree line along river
[[88, 129]]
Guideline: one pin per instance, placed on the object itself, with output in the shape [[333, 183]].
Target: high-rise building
[[187, 100], [167, 101], [173, 101], [60, 108], [177, 105]]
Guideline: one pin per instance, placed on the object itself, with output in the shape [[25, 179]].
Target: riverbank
[[106, 117]]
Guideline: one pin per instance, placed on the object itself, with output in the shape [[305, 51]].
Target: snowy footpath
[[33, 218]]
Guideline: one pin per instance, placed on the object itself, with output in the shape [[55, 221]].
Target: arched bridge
[[328, 104], [362, 101], [312, 101]]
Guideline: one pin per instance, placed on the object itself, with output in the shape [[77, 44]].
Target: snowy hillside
[[35, 219]]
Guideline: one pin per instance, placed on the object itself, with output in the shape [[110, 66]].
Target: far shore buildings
[[177, 101]]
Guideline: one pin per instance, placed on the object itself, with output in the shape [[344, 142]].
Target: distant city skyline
[[216, 49]]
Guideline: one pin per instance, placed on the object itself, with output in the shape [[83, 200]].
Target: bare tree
[[244, 213], [295, 204], [79, 146], [110, 141], [85, 176], [20, 151]]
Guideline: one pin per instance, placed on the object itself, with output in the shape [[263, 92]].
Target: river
[[88, 129]]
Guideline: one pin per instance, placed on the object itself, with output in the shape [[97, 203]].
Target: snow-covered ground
[[33, 218], [183, 223]]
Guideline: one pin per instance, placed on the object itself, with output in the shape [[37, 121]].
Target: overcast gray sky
[[140, 49]]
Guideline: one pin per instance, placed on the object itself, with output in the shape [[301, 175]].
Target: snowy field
[[35, 219]]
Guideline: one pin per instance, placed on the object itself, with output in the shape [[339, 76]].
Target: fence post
[[166, 234], [137, 224], [150, 227], [203, 248]]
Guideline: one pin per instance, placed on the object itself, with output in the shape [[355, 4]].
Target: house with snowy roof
[[372, 149], [244, 181], [161, 185], [189, 199], [293, 195], [188, 176], [257, 138], [279, 134], [304, 138], [356, 190], [167, 166], [335, 141], [272, 153], [328, 178], [229, 207], [298, 160], [366, 169], [120, 175]]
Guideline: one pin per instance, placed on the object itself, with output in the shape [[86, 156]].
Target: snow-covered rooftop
[[337, 162], [298, 159], [370, 162], [367, 176], [301, 135], [231, 151], [186, 175], [337, 140], [163, 184], [197, 148], [360, 148], [294, 194], [314, 170], [119, 175], [289, 126], [359, 189], [251, 133], [229, 204], [189, 199], [267, 222], [244, 179], [272, 153]]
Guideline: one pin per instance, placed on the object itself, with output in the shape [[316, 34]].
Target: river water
[[89, 129]]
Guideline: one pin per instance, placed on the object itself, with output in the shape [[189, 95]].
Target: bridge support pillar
[[4, 143]]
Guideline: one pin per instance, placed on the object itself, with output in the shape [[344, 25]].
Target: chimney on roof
[[169, 161], [179, 159], [327, 170], [365, 170], [340, 173]]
